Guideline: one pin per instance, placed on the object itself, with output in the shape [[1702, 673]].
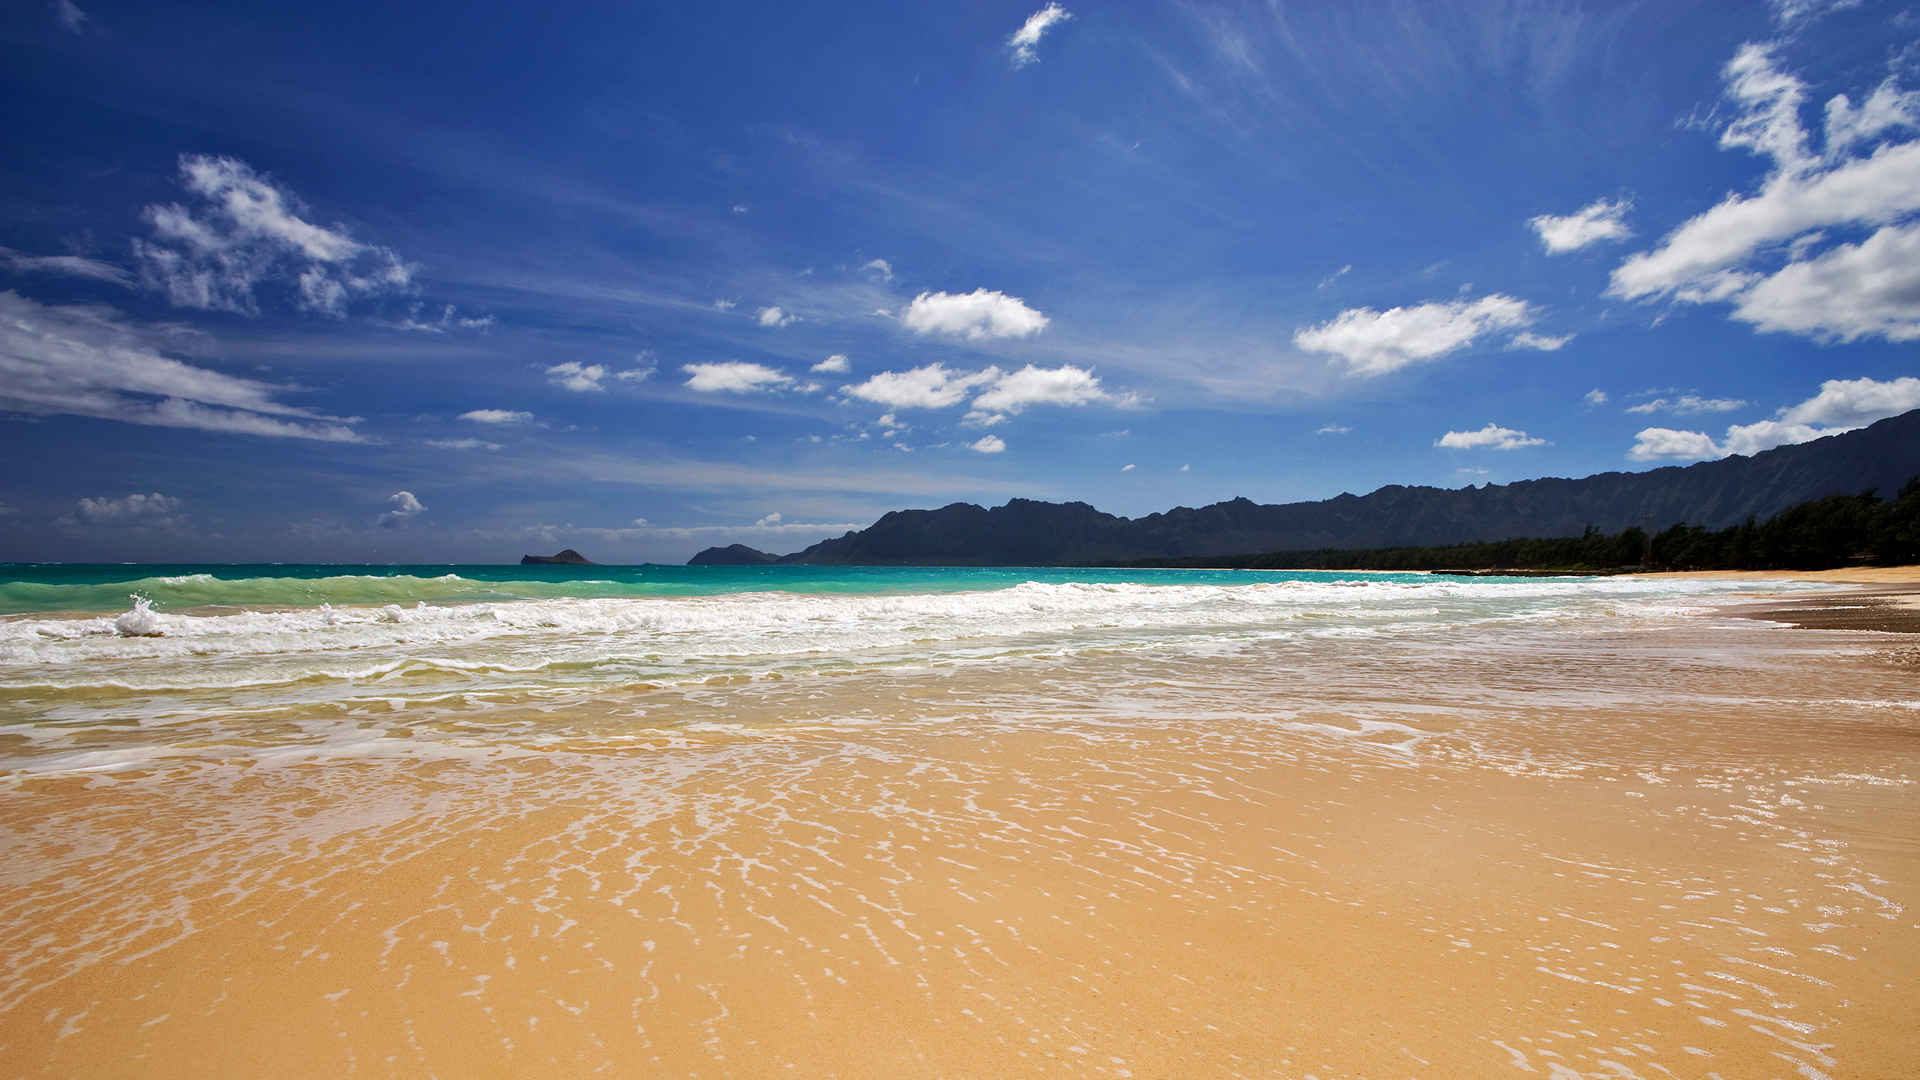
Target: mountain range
[[1715, 494]]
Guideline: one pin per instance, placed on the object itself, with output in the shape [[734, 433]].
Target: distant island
[[1709, 497], [569, 557]]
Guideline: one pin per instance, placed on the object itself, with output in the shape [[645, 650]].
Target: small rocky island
[[569, 557]]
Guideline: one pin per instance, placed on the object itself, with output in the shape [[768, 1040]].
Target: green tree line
[[1821, 534]]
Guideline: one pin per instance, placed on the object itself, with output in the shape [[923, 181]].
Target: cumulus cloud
[[1596, 396], [405, 506], [929, 387], [88, 361], [580, 378], [1377, 342], [1841, 405], [1655, 443], [835, 363], [736, 376], [1600, 220], [773, 316], [973, 315], [989, 444], [1030, 33], [1689, 404], [1064, 385], [249, 231], [936, 387], [154, 509], [767, 522], [1763, 252], [1492, 435], [65, 265]]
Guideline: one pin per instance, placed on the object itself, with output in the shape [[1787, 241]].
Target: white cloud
[[405, 506], [87, 361], [977, 314], [1335, 276], [1728, 253], [449, 320], [67, 265], [989, 444], [1600, 220], [930, 387], [976, 418], [835, 363], [1527, 339], [1596, 396], [884, 268], [251, 231], [1126, 468], [1656, 443], [740, 208], [737, 376], [132, 510], [1376, 342], [1029, 34], [1333, 429], [1497, 437], [1852, 403], [462, 444], [725, 305], [496, 416], [1688, 405], [577, 377], [767, 522], [1064, 385], [1841, 405], [773, 316], [1789, 12], [70, 15]]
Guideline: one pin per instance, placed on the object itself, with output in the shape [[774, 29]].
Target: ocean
[[847, 821]]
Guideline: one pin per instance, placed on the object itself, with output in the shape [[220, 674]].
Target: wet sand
[[1686, 849]]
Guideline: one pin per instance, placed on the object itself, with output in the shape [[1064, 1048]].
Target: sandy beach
[[1685, 845]]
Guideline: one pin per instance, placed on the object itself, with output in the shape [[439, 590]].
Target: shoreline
[[1602, 844]]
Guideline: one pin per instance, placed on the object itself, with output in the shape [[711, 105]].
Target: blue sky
[[437, 282]]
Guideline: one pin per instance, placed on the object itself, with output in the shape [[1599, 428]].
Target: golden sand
[[1690, 851]]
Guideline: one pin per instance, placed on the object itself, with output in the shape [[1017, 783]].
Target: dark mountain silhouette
[[1714, 494], [733, 555], [569, 557]]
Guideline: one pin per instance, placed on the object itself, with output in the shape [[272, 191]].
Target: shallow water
[[1239, 825]]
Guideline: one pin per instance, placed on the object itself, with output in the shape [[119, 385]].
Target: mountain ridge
[[1714, 494]]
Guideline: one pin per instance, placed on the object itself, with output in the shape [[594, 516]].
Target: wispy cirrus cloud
[[496, 416], [66, 266], [248, 230], [1732, 253], [1688, 404], [1024, 39], [1377, 342], [89, 361]]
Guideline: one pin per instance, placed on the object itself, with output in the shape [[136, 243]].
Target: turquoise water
[[27, 588]]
